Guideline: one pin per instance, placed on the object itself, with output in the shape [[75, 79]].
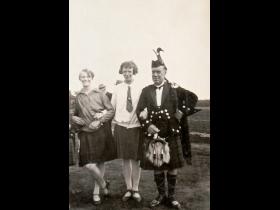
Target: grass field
[[200, 122], [193, 186]]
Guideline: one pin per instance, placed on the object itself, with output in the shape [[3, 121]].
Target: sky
[[105, 33]]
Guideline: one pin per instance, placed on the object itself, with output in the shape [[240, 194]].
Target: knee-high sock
[[136, 173], [127, 173], [171, 180], [160, 181]]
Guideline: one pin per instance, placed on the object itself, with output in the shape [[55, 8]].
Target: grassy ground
[[200, 122], [192, 190]]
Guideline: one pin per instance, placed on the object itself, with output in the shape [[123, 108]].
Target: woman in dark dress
[[92, 114]]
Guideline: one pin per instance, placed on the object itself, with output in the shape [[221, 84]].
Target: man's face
[[158, 75]]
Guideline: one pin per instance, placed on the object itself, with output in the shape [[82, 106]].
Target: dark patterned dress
[[95, 146]]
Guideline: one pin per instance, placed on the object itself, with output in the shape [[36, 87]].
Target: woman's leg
[[127, 173], [98, 176], [136, 173], [101, 167]]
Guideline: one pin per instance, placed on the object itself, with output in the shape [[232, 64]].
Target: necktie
[[129, 106], [158, 88]]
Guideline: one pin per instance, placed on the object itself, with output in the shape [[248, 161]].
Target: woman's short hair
[[129, 64], [88, 72]]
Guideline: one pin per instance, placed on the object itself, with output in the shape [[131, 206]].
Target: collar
[[93, 90], [131, 84], [159, 86]]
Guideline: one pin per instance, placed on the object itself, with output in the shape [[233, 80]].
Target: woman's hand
[[95, 125], [98, 115], [78, 120]]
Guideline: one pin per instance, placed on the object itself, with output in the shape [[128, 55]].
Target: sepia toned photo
[[139, 104]]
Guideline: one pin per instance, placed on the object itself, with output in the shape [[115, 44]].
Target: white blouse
[[122, 116]]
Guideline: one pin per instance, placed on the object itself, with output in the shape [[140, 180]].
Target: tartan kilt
[[176, 154], [98, 146]]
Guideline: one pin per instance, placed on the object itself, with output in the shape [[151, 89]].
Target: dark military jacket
[[162, 117], [187, 101]]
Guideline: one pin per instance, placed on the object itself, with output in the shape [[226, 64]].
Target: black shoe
[[127, 195], [136, 196], [174, 203], [96, 199], [106, 189], [158, 200]]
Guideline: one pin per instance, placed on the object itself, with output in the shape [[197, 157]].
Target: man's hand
[[78, 120], [95, 125], [153, 129], [178, 115], [144, 114]]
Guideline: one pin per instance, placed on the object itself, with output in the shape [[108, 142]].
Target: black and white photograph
[[139, 104]]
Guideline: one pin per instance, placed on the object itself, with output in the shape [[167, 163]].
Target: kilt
[[127, 141], [176, 155], [98, 146], [71, 149]]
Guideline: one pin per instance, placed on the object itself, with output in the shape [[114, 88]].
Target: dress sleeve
[[74, 127], [108, 106], [114, 100]]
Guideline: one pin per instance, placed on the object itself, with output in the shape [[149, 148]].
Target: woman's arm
[[109, 108], [114, 100], [75, 121]]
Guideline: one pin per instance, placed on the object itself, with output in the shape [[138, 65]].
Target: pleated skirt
[[127, 141], [98, 146]]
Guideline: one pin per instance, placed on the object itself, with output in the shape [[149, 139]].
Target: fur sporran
[[158, 152]]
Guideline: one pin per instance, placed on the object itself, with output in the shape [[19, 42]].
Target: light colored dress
[[127, 127]]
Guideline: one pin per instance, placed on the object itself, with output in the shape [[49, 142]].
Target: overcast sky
[[104, 33]]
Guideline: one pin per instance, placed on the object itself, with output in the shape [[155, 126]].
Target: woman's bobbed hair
[[128, 64], [88, 72]]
